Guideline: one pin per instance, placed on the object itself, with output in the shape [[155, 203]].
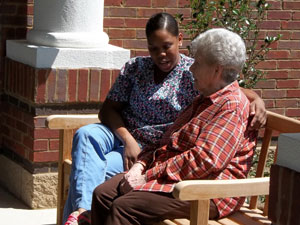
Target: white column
[[68, 23], [67, 34]]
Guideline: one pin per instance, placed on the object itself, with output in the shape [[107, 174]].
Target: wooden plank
[[256, 215], [166, 222], [226, 221], [209, 189], [65, 145], [283, 124], [241, 218], [199, 212], [70, 121]]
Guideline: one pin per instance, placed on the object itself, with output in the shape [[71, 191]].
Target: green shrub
[[241, 16]]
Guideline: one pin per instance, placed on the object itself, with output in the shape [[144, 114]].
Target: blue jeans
[[96, 157]]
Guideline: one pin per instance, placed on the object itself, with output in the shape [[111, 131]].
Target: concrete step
[[14, 212]]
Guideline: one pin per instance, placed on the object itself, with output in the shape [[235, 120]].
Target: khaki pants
[[110, 207]]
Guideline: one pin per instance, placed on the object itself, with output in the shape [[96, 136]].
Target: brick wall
[[31, 94]]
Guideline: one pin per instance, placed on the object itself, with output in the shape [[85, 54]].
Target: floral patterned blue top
[[151, 108]]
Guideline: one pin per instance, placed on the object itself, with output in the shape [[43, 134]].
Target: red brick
[[286, 35], [279, 15], [138, 3], [287, 83], [8, 9], [72, 85], [105, 84], [39, 122], [291, 5], [288, 65], [113, 2], [40, 145], [83, 85], [136, 23], [275, 25], [292, 112], [115, 74], [293, 93], [19, 149], [132, 44], [273, 94], [275, 4], [95, 85], [30, 9], [122, 12], [61, 85], [295, 54], [294, 74], [277, 74], [290, 25], [118, 43], [140, 34], [113, 22], [266, 84], [41, 133], [164, 3], [147, 12], [16, 136], [124, 33], [21, 127], [51, 86], [296, 15], [183, 3], [288, 45], [45, 156], [281, 54], [285, 103], [266, 65], [28, 141], [54, 144], [269, 103], [186, 12]]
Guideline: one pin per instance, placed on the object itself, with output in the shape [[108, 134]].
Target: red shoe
[[84, 218], [73, 218]]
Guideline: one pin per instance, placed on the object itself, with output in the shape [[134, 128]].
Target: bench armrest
[[210, 189], [70, 121]]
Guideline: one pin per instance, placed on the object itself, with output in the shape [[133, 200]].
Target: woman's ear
[[218, 71], [180, 39]]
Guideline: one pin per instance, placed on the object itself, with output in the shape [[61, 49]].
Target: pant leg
[[136, 207], [96, 156]]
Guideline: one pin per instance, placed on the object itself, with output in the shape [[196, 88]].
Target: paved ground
[[14, 212]]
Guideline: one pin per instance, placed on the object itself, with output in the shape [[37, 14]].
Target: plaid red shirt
[[209, 140]]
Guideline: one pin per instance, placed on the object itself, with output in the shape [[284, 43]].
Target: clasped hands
[[133, 178]]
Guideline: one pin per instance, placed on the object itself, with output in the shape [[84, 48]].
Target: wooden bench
[[199, 192]]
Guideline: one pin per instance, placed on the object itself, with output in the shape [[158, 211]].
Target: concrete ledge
[[107, 57], [35, 190]]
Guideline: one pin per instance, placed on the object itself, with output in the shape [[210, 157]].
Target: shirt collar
[[224, 91]]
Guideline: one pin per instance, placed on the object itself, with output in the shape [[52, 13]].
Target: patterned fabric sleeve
[[122, 87], [215, 147]]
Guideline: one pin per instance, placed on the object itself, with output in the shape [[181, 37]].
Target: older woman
[[209, 140]]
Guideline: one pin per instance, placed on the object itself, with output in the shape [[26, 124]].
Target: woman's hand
[[133, 178], [131, 151], [259, 113]]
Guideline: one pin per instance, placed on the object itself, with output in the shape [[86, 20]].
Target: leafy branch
[[243, 17]]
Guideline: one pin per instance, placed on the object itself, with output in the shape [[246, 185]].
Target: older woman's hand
[[133, 178], [259, 113]]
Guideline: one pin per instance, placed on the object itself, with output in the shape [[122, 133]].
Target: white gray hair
[[222, 47]]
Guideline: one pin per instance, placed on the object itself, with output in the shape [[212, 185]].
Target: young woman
[[145, 100]]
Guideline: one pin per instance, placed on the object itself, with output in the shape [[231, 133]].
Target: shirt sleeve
[[215, 147], [122, 87]]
